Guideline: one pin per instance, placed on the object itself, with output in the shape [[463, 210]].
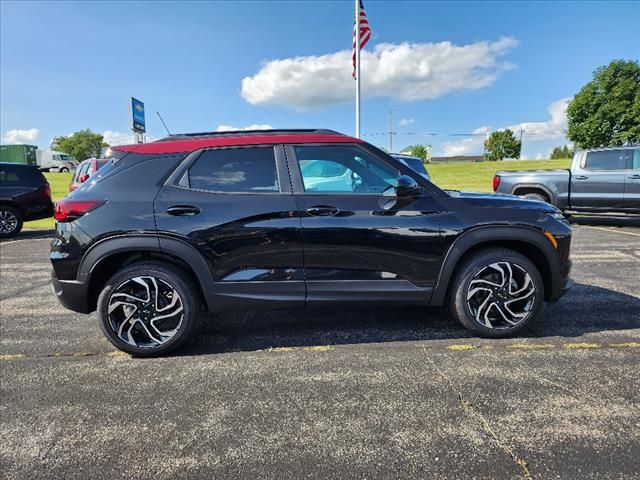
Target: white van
[[50, 160]]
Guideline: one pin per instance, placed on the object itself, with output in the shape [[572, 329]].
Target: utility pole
[[357, 47], [520, 155], [390, 133]]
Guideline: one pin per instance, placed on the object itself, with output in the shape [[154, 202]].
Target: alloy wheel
[[8, 222], [145, 311], [501, 296]]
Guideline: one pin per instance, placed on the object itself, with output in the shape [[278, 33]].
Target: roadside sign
[[137, 115]]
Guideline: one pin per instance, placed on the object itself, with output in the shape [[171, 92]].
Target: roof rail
[[231, 133]]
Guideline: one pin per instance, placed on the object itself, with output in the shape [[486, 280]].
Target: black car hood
[[499, 200]]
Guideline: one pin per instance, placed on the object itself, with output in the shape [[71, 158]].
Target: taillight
[[47, 189], [496, 182], [67, 210]]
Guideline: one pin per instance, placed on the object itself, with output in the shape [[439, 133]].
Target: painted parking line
[[613, 230], [460, 347]]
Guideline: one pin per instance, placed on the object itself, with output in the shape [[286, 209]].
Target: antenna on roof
[[165, 125]]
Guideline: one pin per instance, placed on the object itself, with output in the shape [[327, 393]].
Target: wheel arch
[[524, 188], [527, 241], [111, 254], [13, 204]]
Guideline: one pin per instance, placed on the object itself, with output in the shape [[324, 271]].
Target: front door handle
[[634, 177], [581, 177], [183, 210], [322, 210]]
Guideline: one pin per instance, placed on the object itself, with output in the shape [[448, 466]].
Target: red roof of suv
[[195, 141]]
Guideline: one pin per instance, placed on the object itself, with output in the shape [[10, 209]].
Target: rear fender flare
[[543, 188], [148, 243]]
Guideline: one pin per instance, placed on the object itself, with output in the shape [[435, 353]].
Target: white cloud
[[405, 122], [539, 156], [20, 136], [466, 146], [255, 126], [533, 132], [552, 128], [122, 138], [405, 71]]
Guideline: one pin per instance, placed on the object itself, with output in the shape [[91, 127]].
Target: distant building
[[457, 159]]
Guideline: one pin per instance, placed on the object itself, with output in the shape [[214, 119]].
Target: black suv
[[24, 195], [293, 218]]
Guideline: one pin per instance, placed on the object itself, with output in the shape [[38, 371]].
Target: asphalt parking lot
[[357, 393]]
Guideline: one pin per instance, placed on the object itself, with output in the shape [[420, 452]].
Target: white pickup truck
[[603, 180]]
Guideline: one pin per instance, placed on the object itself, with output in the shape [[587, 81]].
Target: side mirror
[[83, 178], [407, 187]]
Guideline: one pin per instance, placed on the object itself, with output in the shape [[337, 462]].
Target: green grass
[[59, 183], [475, 177], [478, 177]]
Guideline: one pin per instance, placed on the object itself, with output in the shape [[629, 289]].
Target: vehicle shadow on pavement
[[29, 235], [604, 221], [585, 309]]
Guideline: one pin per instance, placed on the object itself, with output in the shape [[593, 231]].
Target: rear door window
[[250, 170], [606, 160], [15, 175]]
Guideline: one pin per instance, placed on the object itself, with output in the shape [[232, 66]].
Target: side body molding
[[487, 234]]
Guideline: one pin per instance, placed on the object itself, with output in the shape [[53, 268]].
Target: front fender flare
[[487, 234]]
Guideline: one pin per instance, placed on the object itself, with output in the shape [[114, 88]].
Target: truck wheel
[[148, 309], [64, 170], [10, 221], [536, 196], [496, 293]]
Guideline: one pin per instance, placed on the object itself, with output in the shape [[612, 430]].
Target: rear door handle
[[183, 210], [634, 177], [322, 210], [581, 177]]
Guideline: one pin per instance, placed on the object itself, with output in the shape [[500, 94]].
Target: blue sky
[[451, 67]]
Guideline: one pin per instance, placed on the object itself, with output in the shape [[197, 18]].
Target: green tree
[[80, 145], [420, 151], [561, 152], [502, 144], [606, 111]]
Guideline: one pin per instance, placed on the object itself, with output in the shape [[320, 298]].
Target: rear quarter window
[[250, 170]]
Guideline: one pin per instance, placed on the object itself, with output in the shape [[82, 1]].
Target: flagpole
[[357, 42]]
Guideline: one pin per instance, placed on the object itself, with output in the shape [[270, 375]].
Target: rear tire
[[64, 170], [10, 221], [536, 196], [496, 293], [148, 309]]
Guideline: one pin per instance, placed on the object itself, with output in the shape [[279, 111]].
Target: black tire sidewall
[[458, 302], [174, 277], [18, 216], [536, 196]]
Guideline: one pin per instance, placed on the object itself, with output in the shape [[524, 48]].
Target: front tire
[[64, 170], [148, 309], [10, 221], [496, 293]]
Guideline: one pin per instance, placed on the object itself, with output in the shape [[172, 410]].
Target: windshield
[[415, 164]]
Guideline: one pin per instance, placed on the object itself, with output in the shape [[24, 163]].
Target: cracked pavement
[[331, 393]]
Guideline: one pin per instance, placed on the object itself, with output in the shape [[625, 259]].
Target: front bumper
[[563, 287], [71, 294]]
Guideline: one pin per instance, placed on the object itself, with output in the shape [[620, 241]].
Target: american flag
[[365, 34]]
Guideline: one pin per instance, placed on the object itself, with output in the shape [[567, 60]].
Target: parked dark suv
[[24, 195], [293, 218]]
